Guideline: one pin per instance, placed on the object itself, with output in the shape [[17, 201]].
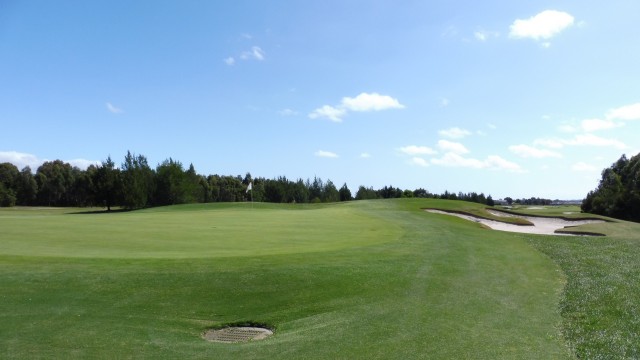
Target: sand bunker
[[541, 225], [236, 334]]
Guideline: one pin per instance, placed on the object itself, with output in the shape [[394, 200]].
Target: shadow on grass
[[104, 211]]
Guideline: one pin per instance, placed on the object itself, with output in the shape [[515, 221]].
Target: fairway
[[365, 279]]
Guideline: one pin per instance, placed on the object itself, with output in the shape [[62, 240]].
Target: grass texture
[[365, 279]]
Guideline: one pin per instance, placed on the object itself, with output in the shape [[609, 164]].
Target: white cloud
[[544, 25], [230, 60], [491, 162], [593, 140], [419, 161], [531, 152], [444, 102], [418, 150], [325, 154], [454, 133], [589, 125], [20, 160], [370, 102], [113, 109], [453, 147], [483, 35], [581, 140], [492, 126], [365, 155], [329, 112], [551, 143], [256, 53], [456, 160], [566, 128], [581, 166], [628, 112], [496, 162], [288, 112], [361, 103]]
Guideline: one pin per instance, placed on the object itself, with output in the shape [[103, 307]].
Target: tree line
[[135, 184], [618, 193]]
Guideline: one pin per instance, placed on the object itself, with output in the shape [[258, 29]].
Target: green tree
[[107, 184], [27, 187], [364, 193], [618, 193], [55, 179], [137, 181], [9, 176], [330, 192], [345, 193], [170, 187]]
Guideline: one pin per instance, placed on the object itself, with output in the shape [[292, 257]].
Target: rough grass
[[368, 279], [599, 306]]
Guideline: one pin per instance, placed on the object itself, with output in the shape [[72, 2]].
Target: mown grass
[[368, 279]]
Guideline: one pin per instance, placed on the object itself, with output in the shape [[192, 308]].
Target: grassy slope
[[599, 306], [370, 279]]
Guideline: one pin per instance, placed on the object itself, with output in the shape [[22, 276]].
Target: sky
[[508, 98]]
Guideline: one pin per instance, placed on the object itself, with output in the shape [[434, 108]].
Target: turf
[[367, 279]]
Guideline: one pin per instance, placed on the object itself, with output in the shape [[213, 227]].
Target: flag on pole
[[249, 187]]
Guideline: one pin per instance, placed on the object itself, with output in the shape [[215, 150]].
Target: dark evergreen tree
[[345, 193], [107, 184]]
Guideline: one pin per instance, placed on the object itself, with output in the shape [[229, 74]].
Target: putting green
[[190, 231]]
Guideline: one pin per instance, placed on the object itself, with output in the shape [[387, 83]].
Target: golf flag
[[249, 187]]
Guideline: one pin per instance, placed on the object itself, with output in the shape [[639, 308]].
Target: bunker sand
[[541, 225]]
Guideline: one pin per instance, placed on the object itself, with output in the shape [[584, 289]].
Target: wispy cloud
[[454, 133], [542, 26], [288, 112], [590, 125], [325, 154], [256, 53], [113, 109], [454, 147], [491, 162], [484, 35], [329, 112], [417, 150], [628, 112], [526, 151], [419, 161], [364, 102], [365, 155], [581, 140]]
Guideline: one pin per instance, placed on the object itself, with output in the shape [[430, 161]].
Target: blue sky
[[508, 98]]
